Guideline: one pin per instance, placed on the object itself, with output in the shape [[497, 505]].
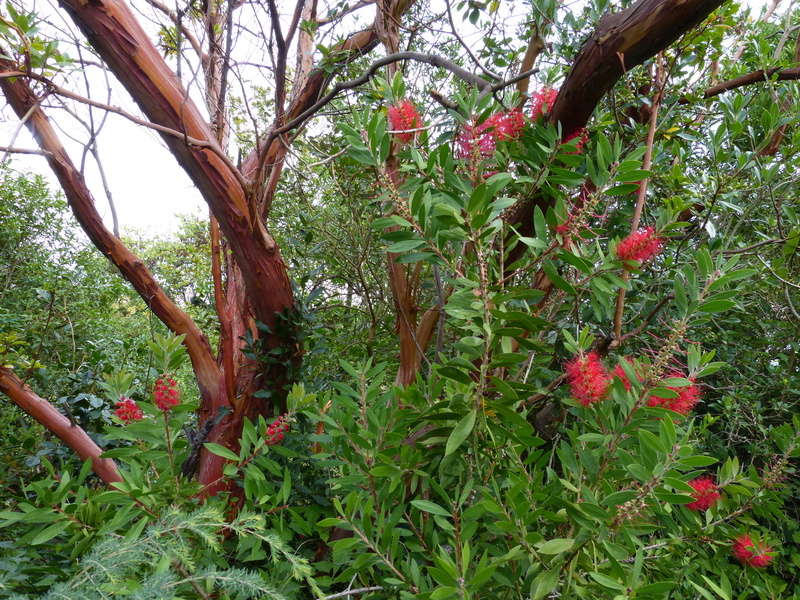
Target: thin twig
[[364, 590], [466, 47], [189, 140], [12, 150], [661, 82]]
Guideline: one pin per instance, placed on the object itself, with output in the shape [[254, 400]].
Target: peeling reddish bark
[[620, 42], [47, 414], [23, 101], [114, 32]]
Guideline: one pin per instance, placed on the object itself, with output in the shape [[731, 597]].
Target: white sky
[[148, 187]]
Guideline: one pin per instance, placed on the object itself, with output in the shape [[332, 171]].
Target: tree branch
[[759, 76], [622, 41], [22, 99], [431, 59], [47, 414], [119, 39]]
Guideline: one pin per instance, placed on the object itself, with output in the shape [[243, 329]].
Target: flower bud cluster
[[276, 430], [128, 411], [165, 393]]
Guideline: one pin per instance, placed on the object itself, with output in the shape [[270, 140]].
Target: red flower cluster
[[475, 139], [128, 411], [276, 430], [403, 116], [688, 397], [165, 393], [641, 245], [542, 101], [748, 552], [588, 378], [706, 493], [505, 125], [483, 138], [583, 134]]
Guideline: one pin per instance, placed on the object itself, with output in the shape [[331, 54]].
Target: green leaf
[[545, 582], [430, 507], [673, 498], [48, 533], [556, 546], [405, 246], [606, 581], [717, 589], [557, 280], [715, 306], [460, 433], [220, 451], [698, 461]]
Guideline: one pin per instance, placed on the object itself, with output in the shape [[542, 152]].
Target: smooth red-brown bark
[[47, 414]]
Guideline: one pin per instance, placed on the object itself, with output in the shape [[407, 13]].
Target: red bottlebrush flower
[[641, 245], [542, 102], [623, 377], [276, 430], [403, 116], [165, 393], [706, 493], [128, 411], [748, 552], [582, 134], [475, 139], [688, 397], [505, 125], [588, 378]]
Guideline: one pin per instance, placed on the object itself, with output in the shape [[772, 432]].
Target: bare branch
[[355, 592], [13, 150], [180, 24], [472, 56], [759, 76], [49, 416], [22, 99], [431, 59]]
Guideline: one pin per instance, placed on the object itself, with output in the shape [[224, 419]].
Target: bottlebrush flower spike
[[582, 134], [128, 411], [276, 430], [505, 125], [641, 245], [165, 393], [749, 553], [688, 397], [588, 378], [403, 116], [623, 377], [475, 139], [706, 493], [542, 102]]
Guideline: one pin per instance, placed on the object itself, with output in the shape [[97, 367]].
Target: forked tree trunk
[[258, 283]]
